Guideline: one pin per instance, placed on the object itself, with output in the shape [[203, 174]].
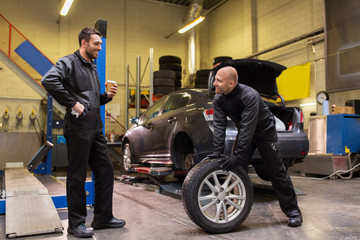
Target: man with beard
[[73, 81]]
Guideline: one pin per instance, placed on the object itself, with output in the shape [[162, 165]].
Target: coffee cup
[[109, 84]]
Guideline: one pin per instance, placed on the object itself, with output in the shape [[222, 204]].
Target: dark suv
[[178, 130]]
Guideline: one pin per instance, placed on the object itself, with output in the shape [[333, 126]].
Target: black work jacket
[[73, 79], [247, 110]]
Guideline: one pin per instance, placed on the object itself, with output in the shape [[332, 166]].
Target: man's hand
[[228, 162], [79, 108], [113, 91]]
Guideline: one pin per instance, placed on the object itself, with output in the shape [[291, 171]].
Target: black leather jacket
[[72, 79], [247, 110]]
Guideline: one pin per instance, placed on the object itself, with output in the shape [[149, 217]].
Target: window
[[155, 109], [176, 101]]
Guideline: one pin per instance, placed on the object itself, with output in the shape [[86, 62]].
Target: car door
[[143, 133], [165, 126]]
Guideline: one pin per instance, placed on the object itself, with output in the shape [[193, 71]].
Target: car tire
[[204, 193], [163, 89], [169, 59], [127, 155], [171, 66], [164, 74], [220, 59], [203, 73], [170, 82]]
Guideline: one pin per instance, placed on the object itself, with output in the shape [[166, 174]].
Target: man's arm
[[53, 82], [220, 123], [249, 119]]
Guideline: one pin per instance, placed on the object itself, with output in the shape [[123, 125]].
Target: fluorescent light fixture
[[66, 7], [192, 24], [308, 104]]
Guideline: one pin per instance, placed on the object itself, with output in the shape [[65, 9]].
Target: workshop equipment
[[29, 207]]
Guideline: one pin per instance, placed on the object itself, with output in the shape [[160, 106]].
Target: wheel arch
[[181, 146]]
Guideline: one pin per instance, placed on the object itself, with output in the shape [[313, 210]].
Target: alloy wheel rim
[[221, 196], [127, 158]]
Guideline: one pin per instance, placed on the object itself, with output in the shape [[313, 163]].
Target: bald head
[[226, 79]]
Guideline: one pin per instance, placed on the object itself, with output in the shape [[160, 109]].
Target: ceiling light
[[308, 104], [66, 7], [192, 24]]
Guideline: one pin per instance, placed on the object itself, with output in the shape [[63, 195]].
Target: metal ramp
[[29, 207]]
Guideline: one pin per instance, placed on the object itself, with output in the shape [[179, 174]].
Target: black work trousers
[[268, 146], [87, 145]]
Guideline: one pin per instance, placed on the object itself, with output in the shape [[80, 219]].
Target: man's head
[[90, 43], [226, 79]]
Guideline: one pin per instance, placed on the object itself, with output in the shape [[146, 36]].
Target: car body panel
[[164, 135]]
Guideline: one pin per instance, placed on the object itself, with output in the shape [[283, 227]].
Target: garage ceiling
[[208, 4]]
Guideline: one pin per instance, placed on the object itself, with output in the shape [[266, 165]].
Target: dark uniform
[[256, 129], [72, 80]]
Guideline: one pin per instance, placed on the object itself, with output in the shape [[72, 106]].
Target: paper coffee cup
[[109, 84]]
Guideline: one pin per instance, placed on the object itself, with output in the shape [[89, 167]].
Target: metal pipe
[[291, 41], [151, 75], [138, 80], [127, 97]]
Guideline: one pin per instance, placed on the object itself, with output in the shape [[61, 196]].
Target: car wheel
[[127, 157], [217, 201]]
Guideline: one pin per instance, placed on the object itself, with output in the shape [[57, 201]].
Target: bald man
[[256, 129]]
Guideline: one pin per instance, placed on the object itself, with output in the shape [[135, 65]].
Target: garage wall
[[240, 28], [134, 26]]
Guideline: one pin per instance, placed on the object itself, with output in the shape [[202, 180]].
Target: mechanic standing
[[256, 129], [73, 81]]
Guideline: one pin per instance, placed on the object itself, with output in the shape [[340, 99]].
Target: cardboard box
[[343, 109]]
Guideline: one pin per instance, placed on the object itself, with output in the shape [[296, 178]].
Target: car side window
[[154, 110], [176, 101]]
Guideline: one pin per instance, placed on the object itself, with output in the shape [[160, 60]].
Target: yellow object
[[347, 150], [294, 82]]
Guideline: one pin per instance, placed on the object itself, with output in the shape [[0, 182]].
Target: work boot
[[295, 221], [80, 231], [112, 223]]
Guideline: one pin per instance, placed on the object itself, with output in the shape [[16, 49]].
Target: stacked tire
[[220, 59], [202, 77], [172, 63], [164, 82]]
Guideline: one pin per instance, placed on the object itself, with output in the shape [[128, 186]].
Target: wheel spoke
[[227, 181], [207, 197], [233, 185], [216, 180], [225, 212], [218, 211], [232, 196], [212, 187], [205, 207], [234, 205]]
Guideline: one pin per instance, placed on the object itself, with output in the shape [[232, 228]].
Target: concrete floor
[[331, 210]]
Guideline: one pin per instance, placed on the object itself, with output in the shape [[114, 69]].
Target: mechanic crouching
[[256, 129]]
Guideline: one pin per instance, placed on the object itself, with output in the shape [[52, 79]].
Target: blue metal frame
[[45, 168], [101, 69]]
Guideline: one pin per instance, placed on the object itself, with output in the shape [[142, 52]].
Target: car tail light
[[208, 114], [301, 116]]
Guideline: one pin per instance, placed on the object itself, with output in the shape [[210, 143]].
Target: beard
[[92, 54]]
